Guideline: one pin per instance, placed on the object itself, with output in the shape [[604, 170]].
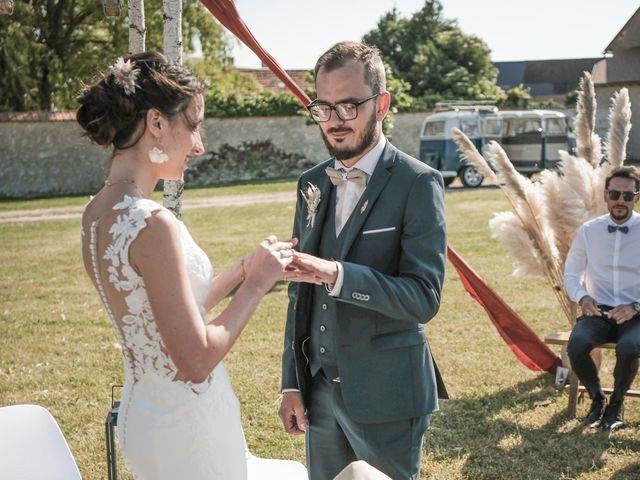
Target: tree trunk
[[45, 87], [137, 28], [172, 10]]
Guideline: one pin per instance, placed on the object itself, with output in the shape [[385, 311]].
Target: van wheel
[[448, 181], [470, 177]]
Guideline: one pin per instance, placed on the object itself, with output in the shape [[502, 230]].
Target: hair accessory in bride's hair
[[125, 75]]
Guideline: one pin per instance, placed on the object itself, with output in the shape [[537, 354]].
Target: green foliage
[[401, 100], [43, 68], [48, 47], [571, 99], [519, 97], [516, 97], [437, 59], [548, 103], [258, 104]]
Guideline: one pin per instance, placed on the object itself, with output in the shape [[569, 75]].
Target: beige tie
[[351, 185]]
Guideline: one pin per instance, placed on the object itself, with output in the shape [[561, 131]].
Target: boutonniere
[[364, 206], [312, 197]]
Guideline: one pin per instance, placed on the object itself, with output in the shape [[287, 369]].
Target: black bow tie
[[613, 228]]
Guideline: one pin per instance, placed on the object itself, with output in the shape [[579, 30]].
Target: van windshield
[[469, 127], [433, 129]]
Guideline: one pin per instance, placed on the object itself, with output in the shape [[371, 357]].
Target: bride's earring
[[156, 155]]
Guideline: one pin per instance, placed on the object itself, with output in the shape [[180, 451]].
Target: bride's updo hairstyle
[[112, 109]]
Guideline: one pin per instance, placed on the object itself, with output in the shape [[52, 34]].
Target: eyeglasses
[[321, 112], [626, 196]]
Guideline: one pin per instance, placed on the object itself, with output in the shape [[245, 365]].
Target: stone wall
[[52, 158]]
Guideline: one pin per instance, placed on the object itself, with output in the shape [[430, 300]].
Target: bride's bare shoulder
[[160, 235]]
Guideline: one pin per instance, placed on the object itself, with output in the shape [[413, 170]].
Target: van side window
[[491, 127], [520, 126], [556, 126], [433, 129]]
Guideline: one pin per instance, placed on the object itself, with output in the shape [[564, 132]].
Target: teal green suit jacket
[[393, 259]]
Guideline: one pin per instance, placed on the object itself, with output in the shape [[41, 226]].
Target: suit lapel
[[368, 199]]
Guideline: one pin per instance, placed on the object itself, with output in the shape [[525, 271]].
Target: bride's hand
[[267, 264]]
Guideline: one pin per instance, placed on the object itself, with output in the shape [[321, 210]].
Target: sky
[[297, 32]]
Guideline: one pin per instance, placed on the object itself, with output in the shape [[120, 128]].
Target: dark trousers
[[590, 332], [334, 439]]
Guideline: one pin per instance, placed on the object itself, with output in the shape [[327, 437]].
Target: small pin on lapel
[[364, 207]]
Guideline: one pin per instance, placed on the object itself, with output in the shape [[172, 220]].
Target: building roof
[[628, 37], [544, 77], [622, 68], [272, 83]]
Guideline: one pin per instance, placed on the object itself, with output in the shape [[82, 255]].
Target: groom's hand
[[324, 270], [292, 413]]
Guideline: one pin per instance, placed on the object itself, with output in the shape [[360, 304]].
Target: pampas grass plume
[[619, 127], [470, 154], [513, 182], [509, 230], [588, 142]]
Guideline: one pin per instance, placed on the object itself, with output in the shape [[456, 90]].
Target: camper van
[[530, 138]]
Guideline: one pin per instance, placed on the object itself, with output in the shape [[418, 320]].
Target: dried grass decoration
[[547, 213]]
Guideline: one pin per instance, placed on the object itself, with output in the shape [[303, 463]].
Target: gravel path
[[64, 213]]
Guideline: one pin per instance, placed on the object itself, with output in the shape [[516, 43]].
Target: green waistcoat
[[323, 306]]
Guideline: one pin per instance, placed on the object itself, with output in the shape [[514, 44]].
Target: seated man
[[602, 274]]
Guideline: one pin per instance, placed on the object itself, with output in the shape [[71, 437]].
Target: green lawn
[[58, 349], [192, 193]]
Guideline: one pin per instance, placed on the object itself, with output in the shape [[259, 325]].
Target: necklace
[[108, 183]]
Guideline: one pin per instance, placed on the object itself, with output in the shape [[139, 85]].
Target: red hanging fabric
[[524, 343], [226, 13], [532, 352]]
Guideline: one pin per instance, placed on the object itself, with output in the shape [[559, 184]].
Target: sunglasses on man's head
[[626, 196]]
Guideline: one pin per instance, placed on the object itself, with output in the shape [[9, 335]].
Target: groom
[[357, 374]]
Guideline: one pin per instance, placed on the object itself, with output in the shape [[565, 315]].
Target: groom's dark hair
[[624, 172], [344, 52]]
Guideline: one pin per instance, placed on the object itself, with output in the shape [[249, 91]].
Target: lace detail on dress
[[143, 348], [141, 336]]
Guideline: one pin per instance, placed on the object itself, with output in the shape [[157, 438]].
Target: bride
[[179, 417]]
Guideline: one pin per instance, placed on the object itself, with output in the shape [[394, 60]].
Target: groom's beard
[[345, 153]]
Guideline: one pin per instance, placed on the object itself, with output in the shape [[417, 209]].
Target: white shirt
[[348, 195], [603, 265]]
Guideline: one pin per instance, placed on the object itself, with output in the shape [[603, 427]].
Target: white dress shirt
[[348, 195], [604, 265]]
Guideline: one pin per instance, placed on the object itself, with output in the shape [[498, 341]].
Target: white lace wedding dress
[[167, 429]]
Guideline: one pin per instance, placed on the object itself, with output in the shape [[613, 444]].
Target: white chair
[[361, 470], [32, 446]]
